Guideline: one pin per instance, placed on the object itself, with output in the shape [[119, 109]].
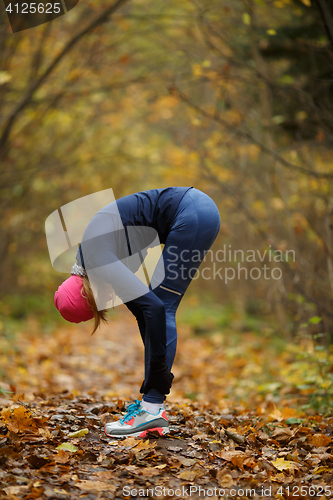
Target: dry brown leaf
[[129, 442], [186, 462], [282, 478], [318, 440], [16, 490], [250, 462], [319, 457], [88, 485], [238, 461], [61, 457], [229, 455], [276, 415], [282, 434], [19, 419], [190, 475], [224, 480], [288, 413], [263, 436], [45, 433], [144, 445], [162, 466], [150, 472]]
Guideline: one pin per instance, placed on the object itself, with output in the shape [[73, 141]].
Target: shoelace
[[132, 411]]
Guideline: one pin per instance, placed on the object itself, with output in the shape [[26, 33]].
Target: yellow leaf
[[271, 32], [4, 77], [246, 18], [197, 70], [67, 446], [144, 445], [321, 469], [282, 464], [306, 2], [78, 434]]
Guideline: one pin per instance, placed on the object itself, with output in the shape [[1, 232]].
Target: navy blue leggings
[[195, 227]]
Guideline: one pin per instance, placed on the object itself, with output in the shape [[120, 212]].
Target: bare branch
[[37, 83], [327, 18], [291, 166]]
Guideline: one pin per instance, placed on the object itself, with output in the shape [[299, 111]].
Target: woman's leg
[[171, 347], [194, 230]]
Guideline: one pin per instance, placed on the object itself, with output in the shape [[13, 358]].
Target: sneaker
[[137, 422]]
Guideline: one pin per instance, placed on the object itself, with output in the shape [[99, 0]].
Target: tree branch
[[37, 83], [327, 18], [175, 91]]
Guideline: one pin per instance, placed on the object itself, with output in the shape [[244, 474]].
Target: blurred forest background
[[231, 97]]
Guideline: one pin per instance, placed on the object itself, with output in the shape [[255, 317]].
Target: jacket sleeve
[[109, 275]]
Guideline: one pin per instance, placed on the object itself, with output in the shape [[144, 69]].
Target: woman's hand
[[159, 378]]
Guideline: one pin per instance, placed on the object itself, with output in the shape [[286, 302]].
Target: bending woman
[[112, 249]]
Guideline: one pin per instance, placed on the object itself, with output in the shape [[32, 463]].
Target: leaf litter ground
[[230, 435]]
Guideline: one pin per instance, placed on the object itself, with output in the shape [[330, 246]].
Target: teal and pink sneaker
[[137, 421]]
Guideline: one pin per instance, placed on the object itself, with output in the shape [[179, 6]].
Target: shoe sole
[[161, 430]]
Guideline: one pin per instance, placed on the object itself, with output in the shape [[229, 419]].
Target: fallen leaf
[[88, 485], [321, 469], [150, 472], [186, 462], [229, 455], [144, 445], [276, 415], [282, 464], [76, 434], [224, 480], [318, 440], [190, 475], [129, 442], [61, 457], [282, 434], [37, 462], [263, 436], [16, 490], [45, 433], [288, 413], [321, 456], [67, 446], [18, 419]]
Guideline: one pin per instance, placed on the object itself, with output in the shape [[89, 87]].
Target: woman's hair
[[87, 293]]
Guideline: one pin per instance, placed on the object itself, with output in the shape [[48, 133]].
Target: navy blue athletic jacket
[[121, 230]]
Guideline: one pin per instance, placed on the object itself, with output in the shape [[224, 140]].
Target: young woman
[[112, 249]]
